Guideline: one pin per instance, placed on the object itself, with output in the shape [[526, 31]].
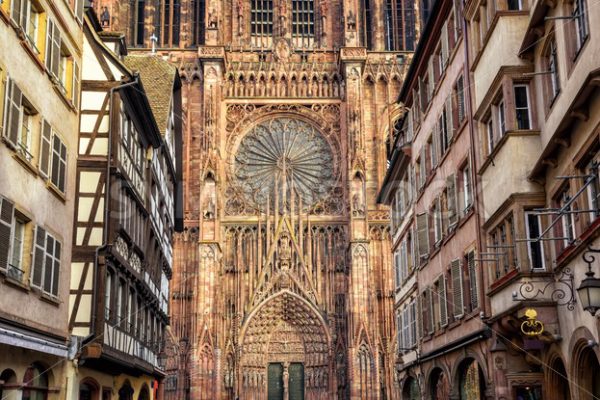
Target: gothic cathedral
[[283, 281]]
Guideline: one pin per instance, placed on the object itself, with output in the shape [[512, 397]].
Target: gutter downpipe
[[474, 176]]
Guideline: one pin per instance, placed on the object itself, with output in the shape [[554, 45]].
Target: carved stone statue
[[213, 19], [240, 12], [282, 18], [351, 21]]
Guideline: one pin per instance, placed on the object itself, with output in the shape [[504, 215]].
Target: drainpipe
[[474, 176]]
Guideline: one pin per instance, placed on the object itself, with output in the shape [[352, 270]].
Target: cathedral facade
[[282, 281]]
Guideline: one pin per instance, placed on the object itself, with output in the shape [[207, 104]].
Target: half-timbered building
[[125, 217]]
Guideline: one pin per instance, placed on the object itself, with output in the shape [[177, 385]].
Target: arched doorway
[[471, 381], [8, 390], [285, 351], [439, 385], [126, 391], [587, 372], [558, 384], [144, 393], [88, 390], [411, 390]]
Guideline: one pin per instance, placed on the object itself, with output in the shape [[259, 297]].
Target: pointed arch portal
[[285, 352]]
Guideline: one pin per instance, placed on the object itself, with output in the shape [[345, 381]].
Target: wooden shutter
[[399, 333], [56, 267], [45, 149], [422, 168], [54, 68], [449, 119], [425, 312], [451, 198], [431, 74], [75, 86], [48, 264], [423, 234], [6, 224], [62, 166], [423, 90], [49, 32], [413, 323], [443, 301], [79, 9], [457, 288], [430, 315], [473, 280], [39, 257], [404, 260], [397, 267], [12, 112], [460, 94], [16, 10], [445, 52]]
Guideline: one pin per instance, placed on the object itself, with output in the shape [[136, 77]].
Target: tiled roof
[[158, 79]]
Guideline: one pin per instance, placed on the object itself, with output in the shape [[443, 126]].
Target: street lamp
[[589, 292]]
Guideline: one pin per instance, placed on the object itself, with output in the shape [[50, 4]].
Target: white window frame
[[527, 95], [489, 124], [528, 232], [501, 114]]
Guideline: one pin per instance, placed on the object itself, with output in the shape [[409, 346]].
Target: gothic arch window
[[89, 390], [367, 24], [35, 383], [399, 25], [586, 374], [366, 371], [303, 22], [261, 22], [138, 15], [198, 16], [171, 17], [439, 386], [8, 389]]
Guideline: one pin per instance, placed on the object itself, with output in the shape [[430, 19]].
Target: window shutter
[[48, 264], [399, 333], [413, 324], [56, 268], [45, 149], [12, 113], [430, 315], [452, 206], [431, 74], [75, 86], [49, 32], [62, 167], [449, 119], [460, 93], [6, 223], [425, 313], [423, 234], [55, 51], [457, 288], [79, 9], [404, 261], [434, 149], [39, 255], [473, 280], [423, 90], [443, 301], [397, 268], [445, 52], [16, 11], [420, 322], [422, 168]]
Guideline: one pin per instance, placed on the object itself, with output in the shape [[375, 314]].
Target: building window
[[473, 286], [18, 121], [171, 21], [35, 383], [466, 188], [18, 238], [399, 25], [261, 22], [590, 172], [515, 5], [303, 22], [501, 118], [460, 99], [367, 25], [489, 126], [581, 22], [552, 81], [120, 304], [567, 223], [198, 22], [436, 213], [457, 288], [46, 262], [107, 295], [535, 250], [522, 107], [58, 171], [138, 16], [501, 242]]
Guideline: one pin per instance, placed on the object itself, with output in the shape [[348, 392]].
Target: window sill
[[15, 283], [56, 192], [63, 96], [25, 163], [50, 299], [32, 54]]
